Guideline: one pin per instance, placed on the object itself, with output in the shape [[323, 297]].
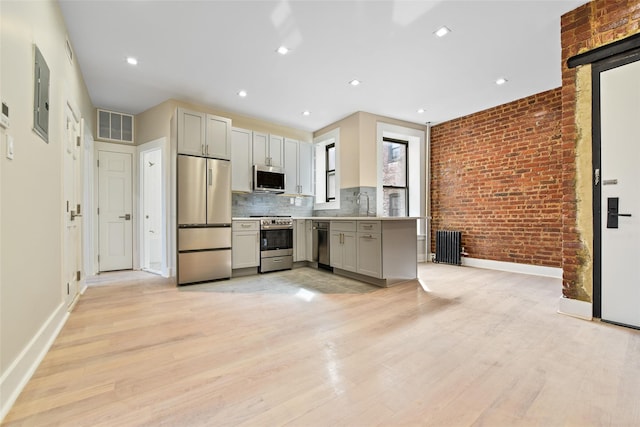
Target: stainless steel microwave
[[268, 179]]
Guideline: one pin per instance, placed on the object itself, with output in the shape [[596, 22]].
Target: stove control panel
[[276, 222]]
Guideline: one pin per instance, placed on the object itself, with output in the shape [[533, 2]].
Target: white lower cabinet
[[342, 244], [245, 244], [309, 232], [299, 240], [370, 254]]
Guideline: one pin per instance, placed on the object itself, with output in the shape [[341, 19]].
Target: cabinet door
[[191, 132], [309, 232], [305, 168], [335, 249], [349, 254], [245, 249], [291, 166], [241, 160], [260, 148], [218, 137], [276, 151], [370, 254], [300, 250]]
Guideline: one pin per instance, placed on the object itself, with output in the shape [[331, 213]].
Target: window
[[395, 187], [327, 170], [330, 167]]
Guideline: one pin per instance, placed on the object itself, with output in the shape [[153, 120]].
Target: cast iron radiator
[[448, 247]]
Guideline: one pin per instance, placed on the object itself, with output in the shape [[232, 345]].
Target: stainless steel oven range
[[276, 244]]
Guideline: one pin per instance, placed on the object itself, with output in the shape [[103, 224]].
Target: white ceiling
[[206, 51]]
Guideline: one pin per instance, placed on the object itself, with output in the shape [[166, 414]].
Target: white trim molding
[[23, 367], [513, 267], [575, 308]]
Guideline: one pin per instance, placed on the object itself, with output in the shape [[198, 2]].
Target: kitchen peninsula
[[377, 250]]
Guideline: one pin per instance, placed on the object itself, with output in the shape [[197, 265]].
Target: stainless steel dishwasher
[[321, 244]]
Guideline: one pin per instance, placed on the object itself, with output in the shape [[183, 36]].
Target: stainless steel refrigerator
[[204, 219]]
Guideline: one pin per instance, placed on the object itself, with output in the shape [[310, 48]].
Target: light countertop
[[340, 218]]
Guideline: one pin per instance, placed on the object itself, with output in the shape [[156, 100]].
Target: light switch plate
[[9, 147]]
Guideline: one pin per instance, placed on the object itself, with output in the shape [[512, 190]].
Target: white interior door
[[115, 215], [152, 210], [620, 176], [72, 209]]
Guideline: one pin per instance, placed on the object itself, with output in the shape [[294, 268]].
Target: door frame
[[117, 148], [597, 68], [162, 145], [72, 111]]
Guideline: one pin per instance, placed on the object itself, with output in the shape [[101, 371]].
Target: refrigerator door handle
[[209, 178]]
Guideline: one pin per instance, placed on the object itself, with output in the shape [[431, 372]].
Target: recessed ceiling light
[[501, 81], [131, 60], [306, 112], [242, 93], [283, 50], [420, 110], [355, 82], [442, 31]]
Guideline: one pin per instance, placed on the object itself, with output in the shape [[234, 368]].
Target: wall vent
[[115, 127]]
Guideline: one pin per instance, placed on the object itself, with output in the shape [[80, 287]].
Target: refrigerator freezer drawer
[[193, 239], [204, 266]]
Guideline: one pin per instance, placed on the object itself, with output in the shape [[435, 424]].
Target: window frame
[[329, 171], [320, 197], [406, 174]]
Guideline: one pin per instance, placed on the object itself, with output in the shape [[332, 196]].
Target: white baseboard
[[513, 267], [20, 371], [575, 308]]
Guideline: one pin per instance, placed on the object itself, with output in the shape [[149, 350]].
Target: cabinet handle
[[202, 148], [367, 226], [206, 150], [245, 225]]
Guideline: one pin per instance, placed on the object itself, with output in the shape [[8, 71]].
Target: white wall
[[31, 205]]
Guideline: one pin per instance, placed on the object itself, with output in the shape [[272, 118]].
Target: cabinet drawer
[[245, 225], [343, 226], [193, 239], [369, 226]]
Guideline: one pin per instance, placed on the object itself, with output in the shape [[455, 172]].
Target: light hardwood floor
[[479, 348]]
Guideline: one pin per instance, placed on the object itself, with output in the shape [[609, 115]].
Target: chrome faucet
[[358, 200]]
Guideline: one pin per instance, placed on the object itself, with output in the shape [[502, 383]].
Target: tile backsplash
[[265, 204]]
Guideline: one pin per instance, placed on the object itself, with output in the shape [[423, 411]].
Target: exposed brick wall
[[592, 25], [496, 176]]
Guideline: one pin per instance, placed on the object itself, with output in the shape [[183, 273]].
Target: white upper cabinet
[[218, 137], [291, 166], [276, 151], [191, 132], [305, 168], [204, 135], [241, 161], [268, 149], [298, 164]]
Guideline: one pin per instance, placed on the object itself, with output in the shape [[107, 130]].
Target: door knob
[[74, 215], [126, 217]]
